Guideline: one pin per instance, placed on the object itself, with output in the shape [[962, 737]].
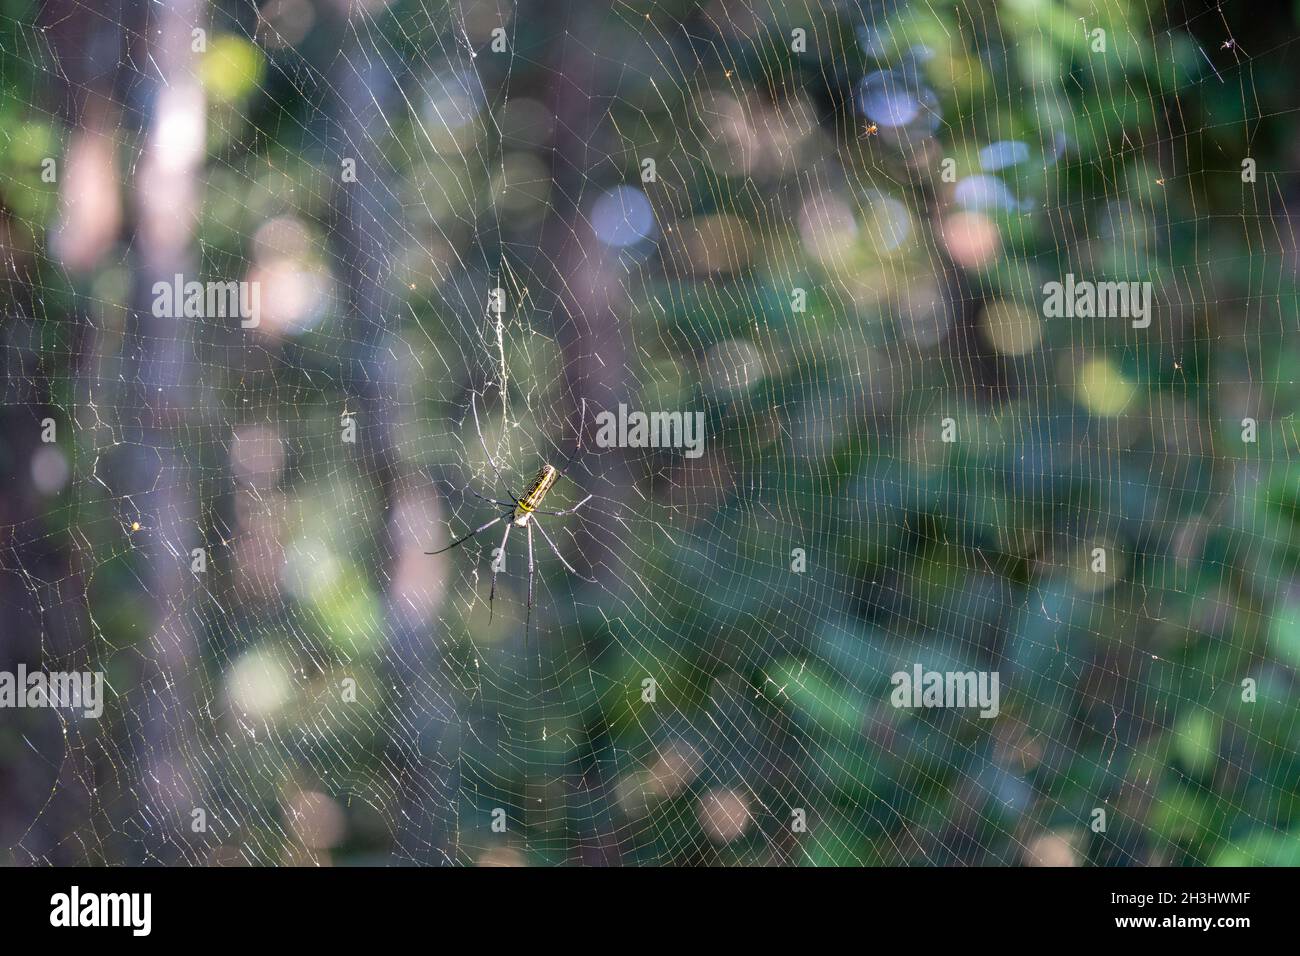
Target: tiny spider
[[523, 512], [872, 129]]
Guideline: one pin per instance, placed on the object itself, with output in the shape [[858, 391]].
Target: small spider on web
[[522, 513]]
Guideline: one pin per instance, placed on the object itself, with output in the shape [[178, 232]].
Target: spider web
[[440, 218]]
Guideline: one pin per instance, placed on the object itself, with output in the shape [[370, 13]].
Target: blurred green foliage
[[1121, 691]]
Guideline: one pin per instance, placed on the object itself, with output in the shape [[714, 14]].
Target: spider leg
[[491, 501], [502, 551], [528, 620], [459, 541], [566, 511], [547, 537], [473, 404]]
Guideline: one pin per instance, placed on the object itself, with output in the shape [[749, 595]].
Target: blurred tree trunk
[[426, 732], [583, 275], [158, 419]]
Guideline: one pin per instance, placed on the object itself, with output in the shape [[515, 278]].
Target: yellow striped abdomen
[[528, 503]]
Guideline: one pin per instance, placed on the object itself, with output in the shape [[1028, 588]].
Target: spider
[[522, 513]]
